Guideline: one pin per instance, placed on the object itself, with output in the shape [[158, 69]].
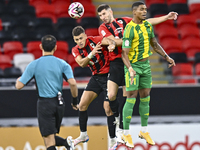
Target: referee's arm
[[19, 85]]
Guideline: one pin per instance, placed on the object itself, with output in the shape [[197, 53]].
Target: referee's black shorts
[[50, 115], [98, 84], [116, 72]]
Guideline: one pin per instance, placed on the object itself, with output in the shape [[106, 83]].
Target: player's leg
[[59, 141], [127, 115], [49, 142], [144, 91], [119, 130], [112, 93], [132, 91], [111, 125], [86, 98], [47, 120]]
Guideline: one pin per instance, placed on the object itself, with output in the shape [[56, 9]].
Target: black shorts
[[116, 72], [50, 115], [98, 84]]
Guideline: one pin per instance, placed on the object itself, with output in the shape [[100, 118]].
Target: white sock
[[83, 134], [126, 132], [144, 129], [112, 141]]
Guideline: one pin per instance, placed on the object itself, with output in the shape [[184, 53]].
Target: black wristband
[[74, 100]]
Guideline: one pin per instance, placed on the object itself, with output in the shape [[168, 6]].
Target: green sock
[[127, 112], [144, 110]]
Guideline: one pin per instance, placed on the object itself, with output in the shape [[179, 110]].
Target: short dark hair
[[48, 43], [102, 7], [77, 31], [136, 4]]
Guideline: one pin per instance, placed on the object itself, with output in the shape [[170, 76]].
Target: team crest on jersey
[[92, 45], [120, 21]]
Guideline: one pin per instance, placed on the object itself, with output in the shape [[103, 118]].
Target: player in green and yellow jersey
[[137, 38]]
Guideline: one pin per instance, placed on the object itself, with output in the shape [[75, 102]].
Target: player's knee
[[111, 96], [83, 107]]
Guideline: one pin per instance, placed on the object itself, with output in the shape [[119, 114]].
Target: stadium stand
[[11, 48]]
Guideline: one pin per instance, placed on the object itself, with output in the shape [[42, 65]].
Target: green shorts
[[143, 78]]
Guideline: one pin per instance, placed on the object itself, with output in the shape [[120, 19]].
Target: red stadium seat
[[71, 60], [89, 10], [1, 27], [5, 61], [92, 32], [62, 50], [197, 69], [13, 47], [171, 45], [83, 1], [60, 2], [189, 31], [33, 47], [169, 2], [169, 32], [46, 11], [195, 9], [163, 25], [182, 69], [38, 2], [61, 10], [191, 46], [150, 2], [186, 20], [191, 43]]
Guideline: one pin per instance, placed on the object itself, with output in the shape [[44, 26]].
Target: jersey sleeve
[[152, 31], [28, 73], [128, 36], [103, 31], [67, 70], [75, 52]]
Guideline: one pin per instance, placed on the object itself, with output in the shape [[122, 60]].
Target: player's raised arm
[[170, 16]]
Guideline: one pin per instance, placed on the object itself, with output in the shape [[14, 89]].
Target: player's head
[[139, 10], [48, 43], [79, 36], [105, 13]]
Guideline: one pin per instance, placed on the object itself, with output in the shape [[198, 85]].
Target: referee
[[48, 72]]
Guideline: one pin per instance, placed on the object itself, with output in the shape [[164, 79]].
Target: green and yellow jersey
[[137, 38]]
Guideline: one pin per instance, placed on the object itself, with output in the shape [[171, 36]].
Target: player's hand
[[171, 62], [172, 15], [111, 47], [75, 107], [132, 74], [97, 49]]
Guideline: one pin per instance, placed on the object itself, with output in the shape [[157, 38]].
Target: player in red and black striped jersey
[[113, 28], [91, 51], [99, 64]]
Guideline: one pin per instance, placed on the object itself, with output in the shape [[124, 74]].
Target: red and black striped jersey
[[115, 28], [99, 64]]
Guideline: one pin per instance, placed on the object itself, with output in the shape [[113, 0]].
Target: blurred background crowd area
[[24, 22]]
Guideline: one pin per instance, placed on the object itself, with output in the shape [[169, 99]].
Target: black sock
[[61, 142], [111, 126], [83, 117], [51, 148], [121, 106], [114, 105]]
